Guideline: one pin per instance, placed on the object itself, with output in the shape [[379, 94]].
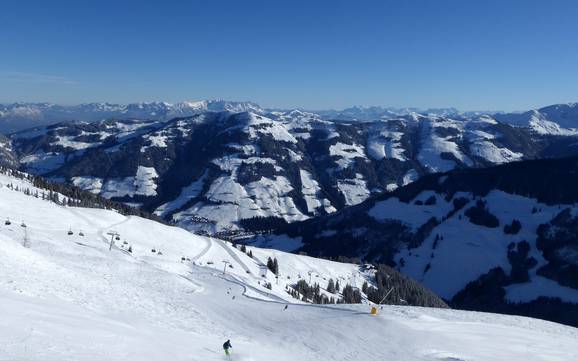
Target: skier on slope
[[227, 346]]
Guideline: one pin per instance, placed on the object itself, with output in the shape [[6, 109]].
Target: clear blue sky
[[503, 54]]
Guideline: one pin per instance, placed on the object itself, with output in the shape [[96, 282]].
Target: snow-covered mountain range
[[19, 116], [91, 284], [228, 171], [500, 239]]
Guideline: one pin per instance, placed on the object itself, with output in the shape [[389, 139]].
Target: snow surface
[[311, 191], [493, 153], [158, 140], [261, 124], [386, 144], [90, 184], [70, 298], [69, 142], [481, 145], [354, 190], [433, 145], [41, 162], [412, 215], [346, 154], [142, 184], [231, 202], [479, 248]]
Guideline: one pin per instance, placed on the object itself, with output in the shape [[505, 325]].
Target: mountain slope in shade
[[7, 156], [67, 296], [500, 238]]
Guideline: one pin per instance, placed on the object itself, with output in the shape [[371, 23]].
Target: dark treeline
[[402, 290]]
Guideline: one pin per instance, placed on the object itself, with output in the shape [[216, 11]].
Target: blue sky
[[506, 55]]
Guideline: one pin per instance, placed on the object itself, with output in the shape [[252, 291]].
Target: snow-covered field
[[68, 297]]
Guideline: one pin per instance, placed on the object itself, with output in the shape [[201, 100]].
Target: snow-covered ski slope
[[67, 297]]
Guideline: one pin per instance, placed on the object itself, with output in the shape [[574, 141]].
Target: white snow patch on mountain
[[260, 124], [41, 162], [386, 144], [232, 163], [310, 189], [90, 184], [311, 192], [157, 140], [538, 287], [69, 142], [354, 190], [264, 198], [391, 187], [413, 215], [295, 157], [433, 147], [118, 187], [492, 153], [346, 153], [410, 176], [246, 149], [144, 181], [142, 184]]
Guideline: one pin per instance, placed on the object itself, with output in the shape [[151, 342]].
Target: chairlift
[[7, 222]]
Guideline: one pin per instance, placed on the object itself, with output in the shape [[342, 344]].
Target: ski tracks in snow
[[235, 257]]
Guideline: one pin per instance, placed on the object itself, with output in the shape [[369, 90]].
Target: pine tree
[[270, 264], [331, 286]]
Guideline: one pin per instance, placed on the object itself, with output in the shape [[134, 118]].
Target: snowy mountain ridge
[[19, 116], [232, 171], [73, 296]]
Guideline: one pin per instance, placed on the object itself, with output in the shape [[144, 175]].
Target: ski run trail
[[67, 298]]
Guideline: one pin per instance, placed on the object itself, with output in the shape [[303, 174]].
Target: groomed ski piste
[[68, 297]]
